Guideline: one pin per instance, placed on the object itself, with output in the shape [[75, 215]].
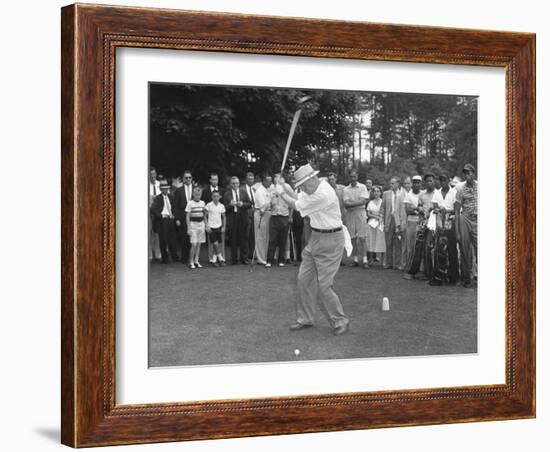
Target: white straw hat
[[304, 173]]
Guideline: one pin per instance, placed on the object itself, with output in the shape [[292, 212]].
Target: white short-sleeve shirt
[[357, 193], [322, 207], [262, 197], [215, 214], [447, 202], [412, 198]]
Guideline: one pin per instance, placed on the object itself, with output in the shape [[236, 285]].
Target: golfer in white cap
[[322, 255]]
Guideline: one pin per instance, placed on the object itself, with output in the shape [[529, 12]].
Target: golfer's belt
[[326, 231]]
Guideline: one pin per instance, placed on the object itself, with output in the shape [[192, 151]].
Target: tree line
[[231, 130]]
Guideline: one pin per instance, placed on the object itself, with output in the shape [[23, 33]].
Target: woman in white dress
[[376, 242]]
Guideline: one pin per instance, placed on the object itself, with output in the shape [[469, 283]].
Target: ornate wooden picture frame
[[90, 37]]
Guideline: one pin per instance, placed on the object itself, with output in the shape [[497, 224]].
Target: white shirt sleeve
[[308, 204], [363, 193], [438, 199], [259, 197], [346, 194]]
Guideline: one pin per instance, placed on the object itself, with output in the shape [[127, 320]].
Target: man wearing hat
[[466, 222], [455, 182], [424, 241], [446, 253], [163, 214], [321, 257]]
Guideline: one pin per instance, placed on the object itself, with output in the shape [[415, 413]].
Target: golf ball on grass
[[296, 352]]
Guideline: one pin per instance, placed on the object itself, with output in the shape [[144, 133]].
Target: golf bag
[[445, 255], [441, 259], [419, 247]]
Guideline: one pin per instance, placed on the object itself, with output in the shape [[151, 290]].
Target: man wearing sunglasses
[[182, 196]]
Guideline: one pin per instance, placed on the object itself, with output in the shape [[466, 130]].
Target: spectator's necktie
[[236, 200], [167, 205], [251, 193]]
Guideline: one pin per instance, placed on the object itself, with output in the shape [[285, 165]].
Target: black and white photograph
[[291, 224]]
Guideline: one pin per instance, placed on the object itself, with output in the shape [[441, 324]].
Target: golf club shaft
[[290, 135]]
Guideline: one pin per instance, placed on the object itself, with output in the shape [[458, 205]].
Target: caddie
[[322, 255]]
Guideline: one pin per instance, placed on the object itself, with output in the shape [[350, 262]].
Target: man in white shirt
[[391, 205], [412, 209], [249, 188], [154, 190], [278, 229], [445, 237], [182, 196], [262, 216], [321, 257], [163, 213], [355, 198], [424, 241]]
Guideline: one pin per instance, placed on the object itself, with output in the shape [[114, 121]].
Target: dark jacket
[[180, 203], [243, 196], [157, 207], [207, 194]]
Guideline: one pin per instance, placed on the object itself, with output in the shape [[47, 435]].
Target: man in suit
[[213, 185], [249, 188], [391, 206], [154, 190], [162, 211], [181, 197], [237, 204], [206, 196]]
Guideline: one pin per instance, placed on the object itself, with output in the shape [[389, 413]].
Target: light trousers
[[320, 263], [468, 246], [261, 232], [154, 244]]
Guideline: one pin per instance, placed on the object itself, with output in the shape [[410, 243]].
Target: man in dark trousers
[[181, 197], [163, 214], [248, 187], [237, 203]]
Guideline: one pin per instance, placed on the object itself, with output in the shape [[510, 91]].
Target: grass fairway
[[230, 315]]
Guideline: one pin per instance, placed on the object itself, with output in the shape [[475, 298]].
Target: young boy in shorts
[[215, 225], [195, 227]]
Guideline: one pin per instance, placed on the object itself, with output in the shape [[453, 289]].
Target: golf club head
[[303, 100]]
